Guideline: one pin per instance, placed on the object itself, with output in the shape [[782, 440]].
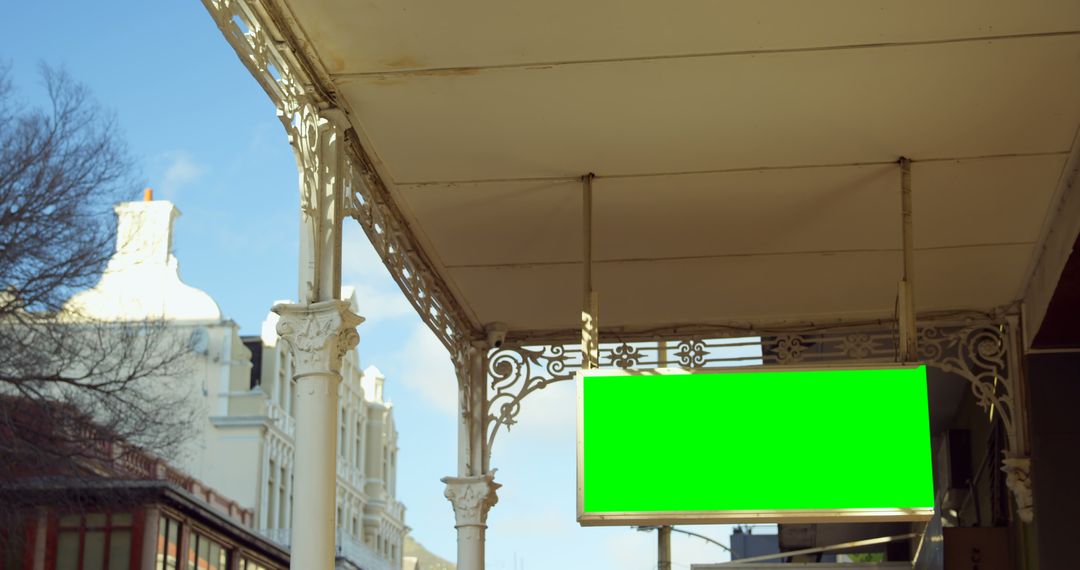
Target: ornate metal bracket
[[273, 56], [979, 352]]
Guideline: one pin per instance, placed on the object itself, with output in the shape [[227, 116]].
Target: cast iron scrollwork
[[515, 373], [624, 355], [976, 351]]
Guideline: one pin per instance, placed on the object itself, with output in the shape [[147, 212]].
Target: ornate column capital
[[471, 497], [1018, 479], [318, 334]]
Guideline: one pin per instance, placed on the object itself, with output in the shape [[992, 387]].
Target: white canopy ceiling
[[744, 150]]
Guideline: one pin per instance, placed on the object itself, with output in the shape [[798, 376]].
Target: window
[[292, 396], [271, 493], [11, 547], [246, 564], [283, 521], [343, 417], [356, 445], [361, 444], [168, 544], [206, 554], [94, 541]]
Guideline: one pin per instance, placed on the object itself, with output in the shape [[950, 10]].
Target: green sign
[[754, 445]]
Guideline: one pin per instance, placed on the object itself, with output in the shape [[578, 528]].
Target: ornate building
[[244, 429]]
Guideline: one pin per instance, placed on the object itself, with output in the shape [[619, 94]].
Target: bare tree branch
[[73, 390]]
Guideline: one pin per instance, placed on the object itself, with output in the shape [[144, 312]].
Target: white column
[[319, 330], [472, 492], [318, 334], [472, 497]]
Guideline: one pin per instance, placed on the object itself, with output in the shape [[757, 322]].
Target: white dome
[[142, 280]]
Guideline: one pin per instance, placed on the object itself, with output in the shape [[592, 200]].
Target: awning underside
[[745, 150]]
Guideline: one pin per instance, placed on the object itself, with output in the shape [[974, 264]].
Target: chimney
[[144, 231]]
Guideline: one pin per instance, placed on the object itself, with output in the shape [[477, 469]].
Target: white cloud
[[181, 171], [426, 370], [358, 257], [376, 304]]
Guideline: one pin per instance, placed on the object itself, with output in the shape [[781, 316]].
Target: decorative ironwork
[[692, 353], [977, 351], [980, 355], [272, 63], [368, 202], [271, 54], [625, 356], [517, 372]]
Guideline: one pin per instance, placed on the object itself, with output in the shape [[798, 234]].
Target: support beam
[[473, 491], [318, 335], [1017, 461], [909, 350], [663, 548], [1056, 245], [318, 330], [590, 328]]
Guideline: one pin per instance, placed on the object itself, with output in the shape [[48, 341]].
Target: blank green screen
[[756, 440]]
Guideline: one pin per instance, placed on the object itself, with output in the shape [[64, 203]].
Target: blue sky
[[205, 136]]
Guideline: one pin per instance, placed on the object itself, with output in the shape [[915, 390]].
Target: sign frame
[[652, 518]]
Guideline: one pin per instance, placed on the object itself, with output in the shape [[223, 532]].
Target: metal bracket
[[979, 351]]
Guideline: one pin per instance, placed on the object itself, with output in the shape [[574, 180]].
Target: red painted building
[[111, 506]]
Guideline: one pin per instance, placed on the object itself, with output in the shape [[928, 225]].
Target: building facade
[[368, 513], [98, 502], [243, 435], [160, 519]]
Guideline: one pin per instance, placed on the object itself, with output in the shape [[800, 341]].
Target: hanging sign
[[763, 444]]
